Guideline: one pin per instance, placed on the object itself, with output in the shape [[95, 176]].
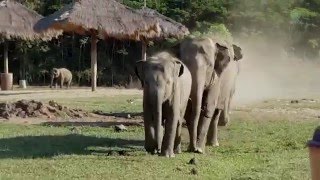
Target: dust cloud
[[268, 72]]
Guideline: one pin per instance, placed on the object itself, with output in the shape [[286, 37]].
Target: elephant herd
[[195, 84]]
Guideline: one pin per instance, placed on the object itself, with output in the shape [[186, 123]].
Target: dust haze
[[268, 72]]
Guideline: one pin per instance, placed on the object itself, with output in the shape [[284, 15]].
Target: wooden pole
[[6, 66], [144, 51], [94, 62], [145, 3]]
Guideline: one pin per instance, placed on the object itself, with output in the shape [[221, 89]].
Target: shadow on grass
[[120, 115], [93, 124], [49, 146]]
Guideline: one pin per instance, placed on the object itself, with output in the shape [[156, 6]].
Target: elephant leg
[[177, 142], [196, 98], [170, 134], [149, 131], [212, 137], [69, 83], [224, 116], [209, 108], [61, 83]]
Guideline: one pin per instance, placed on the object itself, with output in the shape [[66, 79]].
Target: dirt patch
[[37, 109]]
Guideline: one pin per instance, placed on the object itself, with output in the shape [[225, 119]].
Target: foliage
[[293, 23]]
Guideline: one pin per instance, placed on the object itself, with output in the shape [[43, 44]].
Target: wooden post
[[94, 62], [6, 66], [144, 51], [145, 3]]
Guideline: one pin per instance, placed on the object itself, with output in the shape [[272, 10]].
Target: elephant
[[206, 59], [166, 85], [61, 76], [227, 88]]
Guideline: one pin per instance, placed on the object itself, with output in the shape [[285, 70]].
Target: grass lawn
[[250, 148]]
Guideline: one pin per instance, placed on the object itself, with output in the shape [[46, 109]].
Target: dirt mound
[[32, 108]]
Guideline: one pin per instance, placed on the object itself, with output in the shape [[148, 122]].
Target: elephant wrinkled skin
[[61, 76], [166, 88], [206, 60]]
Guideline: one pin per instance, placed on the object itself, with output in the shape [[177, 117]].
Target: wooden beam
[[6, 63], [94, 66], [144, 51]]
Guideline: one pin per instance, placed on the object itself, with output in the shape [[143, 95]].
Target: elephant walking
[[61, 76], [206, 60], [166, 85], [227, 88]]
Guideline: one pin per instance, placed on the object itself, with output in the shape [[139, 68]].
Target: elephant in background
[[61, 76], [166, 85], [206, 59], [227, 88]]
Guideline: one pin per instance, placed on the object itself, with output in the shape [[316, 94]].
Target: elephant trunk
[[158, 99]]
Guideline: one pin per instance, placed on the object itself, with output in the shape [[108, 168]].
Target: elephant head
[[55, 73], [158, 75], [157, 71], [222, 58]]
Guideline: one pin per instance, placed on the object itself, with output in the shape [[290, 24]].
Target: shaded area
[[93, 124], [50, 146], [120, 115]]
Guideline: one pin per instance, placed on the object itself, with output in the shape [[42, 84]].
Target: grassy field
[[254, 146]]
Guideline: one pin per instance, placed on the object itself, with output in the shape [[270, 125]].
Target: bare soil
[[31, 107]]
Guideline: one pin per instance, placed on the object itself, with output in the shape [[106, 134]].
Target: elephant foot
[[199, 150], [167, 154], [213, 144], [178, 151], [152, 151], [191, 149]]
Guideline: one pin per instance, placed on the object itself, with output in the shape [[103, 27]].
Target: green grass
[[106, 104], [252, 147]]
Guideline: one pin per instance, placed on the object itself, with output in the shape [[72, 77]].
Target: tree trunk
[[94, 62], [144, 51], [6, 66]]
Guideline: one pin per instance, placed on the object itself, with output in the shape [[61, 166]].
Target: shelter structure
[[17, 22], [169, 27], [100, 19]]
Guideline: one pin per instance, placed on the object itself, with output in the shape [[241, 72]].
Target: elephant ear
[[222, 58], [179, 68], [237, 52], [139, 71]]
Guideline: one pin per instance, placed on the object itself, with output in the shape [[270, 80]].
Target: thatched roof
[[169, 27], [108, 17], [17, 21]]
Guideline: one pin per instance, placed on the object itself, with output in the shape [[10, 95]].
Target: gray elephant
[[227, 88], [206, 59], [61, 76], [166, 88]]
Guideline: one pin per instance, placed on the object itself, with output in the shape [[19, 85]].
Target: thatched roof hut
[[100, 18], [107, 18], [169, 27], [17, 21]]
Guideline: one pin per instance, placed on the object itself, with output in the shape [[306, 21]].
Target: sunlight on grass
[[249, 150], [119, 103]]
